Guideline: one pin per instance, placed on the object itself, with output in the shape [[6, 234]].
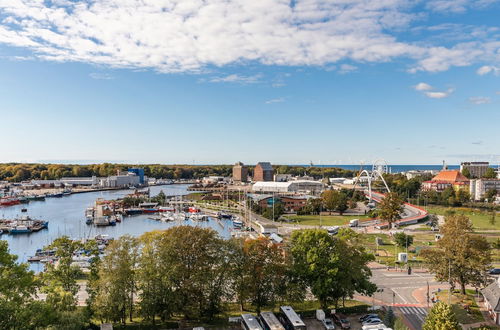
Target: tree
[[460, 256], [192, 267], [403, 240], [490, 173], [493, 217], [466, 173], [441, 317], [490, 195], [262, 271], [389, 318], [390, 208], [335, 200], [116, 285], [332, 268], [18, 285]]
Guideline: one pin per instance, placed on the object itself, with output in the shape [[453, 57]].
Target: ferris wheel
[[379, 168]]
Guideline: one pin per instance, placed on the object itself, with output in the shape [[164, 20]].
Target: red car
[[342, 322]]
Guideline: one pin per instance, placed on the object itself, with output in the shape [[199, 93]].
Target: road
[[407, 293]]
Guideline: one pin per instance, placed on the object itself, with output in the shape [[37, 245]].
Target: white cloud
[[422, 87], [236, 78], [439, 95], [193, 35], [347, 68], [278, 100], [478, 100], [485, 69], [430, 92], [101, 76]]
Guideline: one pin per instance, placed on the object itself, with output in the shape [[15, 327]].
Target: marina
[[67, 216]]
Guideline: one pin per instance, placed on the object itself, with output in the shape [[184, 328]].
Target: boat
[[66, 192], [237, 223], [224, 215], [1, 231], [9, 201], [150, 210], [35, 197], [89, 221], [21, 229], [24, 210], [133, 211]]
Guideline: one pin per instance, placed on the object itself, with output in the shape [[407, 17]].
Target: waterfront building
[[476, 169], [124, 179], [140, 173], [445, 179], [291, 203], [240, 172], [479, 187], [80, 181], [296, 186], [263, 171]]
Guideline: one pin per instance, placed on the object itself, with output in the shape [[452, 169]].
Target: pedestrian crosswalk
[[415, 315], [413, 310]]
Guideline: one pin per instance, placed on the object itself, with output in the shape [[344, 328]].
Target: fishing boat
[[237, 223], [133, 211], [21, 229], [9, 201]]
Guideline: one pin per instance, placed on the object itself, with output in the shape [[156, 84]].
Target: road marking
[[400, 296]]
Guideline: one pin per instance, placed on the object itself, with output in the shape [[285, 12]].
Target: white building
[[122, 180], [306, 186], [479, 187], [80, 181]]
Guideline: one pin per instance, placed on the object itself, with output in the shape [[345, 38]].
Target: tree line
[[17, 172], [185, 271]]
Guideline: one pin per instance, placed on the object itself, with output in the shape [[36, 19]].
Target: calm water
[[395, 168], [66, 217]]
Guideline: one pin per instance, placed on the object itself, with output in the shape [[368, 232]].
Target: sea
[[393, 168], [66, 216]]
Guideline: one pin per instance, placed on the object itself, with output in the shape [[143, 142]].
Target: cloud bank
[[193, 35]]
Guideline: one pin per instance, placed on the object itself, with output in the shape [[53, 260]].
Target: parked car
[[494, 271], [372, 321], [368, 316], [328, 324], [341, 322]]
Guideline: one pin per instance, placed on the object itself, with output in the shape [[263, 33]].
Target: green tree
[[332, 268], [466, 173], [490, 173], [261, 272], [390, 208], [460, 256], [335, 200], [116, 285], [441, 317], [403, 240], [389, 318], [490, 195], [493, 217], [18, 285]]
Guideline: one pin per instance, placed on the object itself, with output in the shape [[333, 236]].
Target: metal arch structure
[[379, 168]]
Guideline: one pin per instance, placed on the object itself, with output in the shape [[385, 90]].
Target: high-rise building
[[263, 171], [476, 169], [240, 172]]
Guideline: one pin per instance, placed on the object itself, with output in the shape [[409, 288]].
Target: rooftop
[[266, 166], [451, 176]]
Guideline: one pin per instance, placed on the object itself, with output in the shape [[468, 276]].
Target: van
[[354, 223]]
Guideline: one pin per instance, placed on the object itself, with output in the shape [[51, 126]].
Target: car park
[[328, 324], [341, 322], [372, 321], [368, 316]]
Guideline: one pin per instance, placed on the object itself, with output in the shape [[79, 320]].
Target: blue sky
[[333, 82]]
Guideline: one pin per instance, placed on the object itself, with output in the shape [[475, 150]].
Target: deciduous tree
[[441, 317], [390, 208], [460, 257]]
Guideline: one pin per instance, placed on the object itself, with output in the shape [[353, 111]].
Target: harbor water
[[66, 216]]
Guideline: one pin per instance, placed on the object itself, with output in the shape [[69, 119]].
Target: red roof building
[[446, 179]]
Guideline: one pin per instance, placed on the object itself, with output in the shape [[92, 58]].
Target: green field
[[326, 220], [480, 219]]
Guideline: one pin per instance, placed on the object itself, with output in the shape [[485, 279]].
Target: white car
[[328, 324], [372, 321]]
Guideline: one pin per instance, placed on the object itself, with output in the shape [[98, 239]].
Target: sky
[[220, 81]]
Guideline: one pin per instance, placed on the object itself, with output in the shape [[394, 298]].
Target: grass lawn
[[326, 220], [480, 219]]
